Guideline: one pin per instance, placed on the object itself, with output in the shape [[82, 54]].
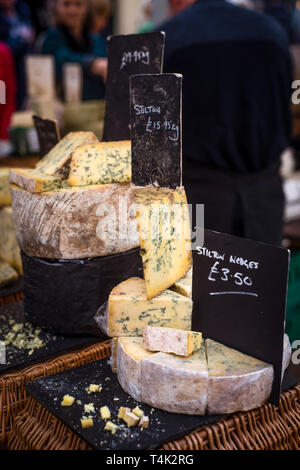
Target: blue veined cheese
[[34, 181], [237, 382], [5, 197], [129, 311], [164, 233], [130, 352], [57, 161], [102, 163], [7, 274], [185, 285], [171, 340], [174, 383], [9, 248]]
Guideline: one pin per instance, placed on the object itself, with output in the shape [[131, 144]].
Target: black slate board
[[54, 345], [164, 427], [48, 134], [156, 130], [14, 288], [128, 55], [242, 305]]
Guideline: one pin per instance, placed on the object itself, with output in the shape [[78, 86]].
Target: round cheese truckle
[[64, 296], [75, 223], [237, 382]]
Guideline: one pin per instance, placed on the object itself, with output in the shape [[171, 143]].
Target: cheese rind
[[102, 163], [5, 197], [130, 352], [237, 382], [7, 274], [171, 340], [9, 248], [57, 161], [129, 311], [75, 223], [287, 353], [113, 354], [34, 181], [164, 233], [175, 384], [184, 286]]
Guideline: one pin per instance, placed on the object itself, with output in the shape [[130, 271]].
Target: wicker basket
[[266, 428], [9, 299], [13, 396]]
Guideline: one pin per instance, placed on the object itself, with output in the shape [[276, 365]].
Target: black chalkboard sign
[[48, 134], [239, 294], [156, 129], [128, 55]]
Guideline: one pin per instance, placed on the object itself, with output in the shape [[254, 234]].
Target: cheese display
[[130, 352], [64, 296], [5, 198], [212, 380], [8, 275], [171, 340], [236, 382], [75, 223], [102, 163], [164, 233], [128, 311], [34, 181], [57, 161], [9, 248], [185, 285]]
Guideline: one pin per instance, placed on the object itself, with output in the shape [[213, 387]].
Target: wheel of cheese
[[64, 296], [75, 223]]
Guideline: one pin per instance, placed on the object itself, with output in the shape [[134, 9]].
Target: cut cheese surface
[[57, 161], [75, 223], [7, 274], [171, 340], [129, 310], [5, 197], [164, 232], [185, 285], [102, 163], [34, 181], [9, 248], [237, 382]]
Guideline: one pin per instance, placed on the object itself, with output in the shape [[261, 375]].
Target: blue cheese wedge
[[102, 163], [129, 311], [34, 181], [237, 382], [171, 340], [164, 233], [57, 161], [5, 197], [185, 285]]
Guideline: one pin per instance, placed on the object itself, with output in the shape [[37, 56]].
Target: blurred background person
[[147, 24], [176, 6], [101, 15], [16, 31], [237, 76], [8, 77], [71, 41]]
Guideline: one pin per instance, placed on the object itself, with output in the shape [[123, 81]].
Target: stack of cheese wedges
[[10, 258], [172, 370]]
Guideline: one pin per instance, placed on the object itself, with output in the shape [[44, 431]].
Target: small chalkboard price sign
[[156, 129], [239, 294], [128, 55], [48, 134]]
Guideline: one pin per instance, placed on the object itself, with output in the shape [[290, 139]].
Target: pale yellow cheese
[[34, 181], [87, 423], [57, 161], [102, 163], [129, 311], [164, 233], [67, 400], [9, 248], [5, 197], [185, 285], [105, 412], [171, 340], [7, 274]]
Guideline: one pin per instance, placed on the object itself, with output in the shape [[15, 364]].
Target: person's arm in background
[[55, 45]]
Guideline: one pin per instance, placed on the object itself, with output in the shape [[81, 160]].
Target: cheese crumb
[[105, 412], [110, 426], [93, 388], [130, 419], [67, 400], [144, 422], [87, 422], [138, 412], [89, 408], [122, 411]]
